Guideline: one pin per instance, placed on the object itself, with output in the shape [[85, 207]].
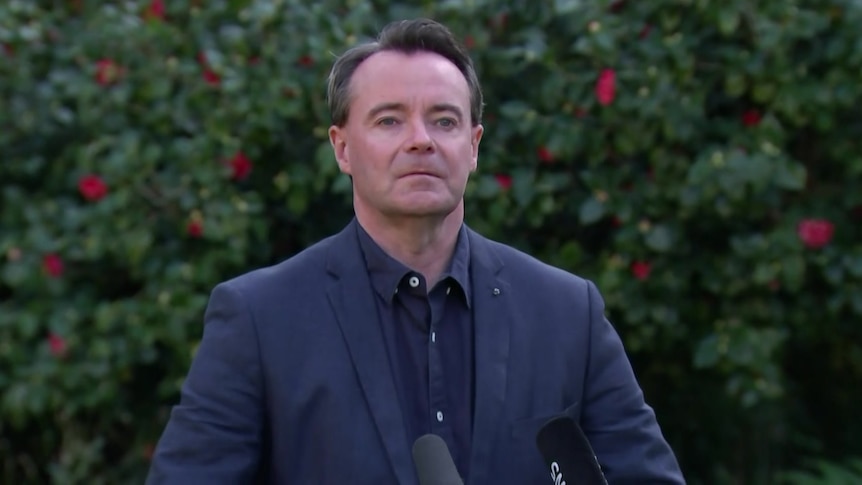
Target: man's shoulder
[[300, 269]]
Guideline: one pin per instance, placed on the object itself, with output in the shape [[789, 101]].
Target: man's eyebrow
[[436, 108], [446, 107], [376, 110]]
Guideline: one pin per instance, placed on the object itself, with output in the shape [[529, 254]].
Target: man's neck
[[424, 245]]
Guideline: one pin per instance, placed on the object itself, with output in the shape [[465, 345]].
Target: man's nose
[[420, 138]]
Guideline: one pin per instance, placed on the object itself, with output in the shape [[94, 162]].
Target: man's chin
[[425, 207]]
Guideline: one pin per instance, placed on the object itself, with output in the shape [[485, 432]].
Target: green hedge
[[699, 160]]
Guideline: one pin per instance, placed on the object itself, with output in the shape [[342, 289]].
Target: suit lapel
[[492, 314], [352, 299]]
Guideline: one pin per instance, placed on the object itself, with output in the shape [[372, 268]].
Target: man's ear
[[476, 137], [338, 140]]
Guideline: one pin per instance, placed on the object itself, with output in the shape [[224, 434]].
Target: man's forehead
[[388, 75], [395, 57], [415, 66]]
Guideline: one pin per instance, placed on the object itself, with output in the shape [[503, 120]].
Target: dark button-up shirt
[[429, 340]]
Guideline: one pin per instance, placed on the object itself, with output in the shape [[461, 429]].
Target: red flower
[[8, 50], [306, 61], [751, 117], [616, 221], [617, 6], [545, 155], [53, 265], [156, 10], [645, 31], [469, 42], [240, 166], [815, 233], [210, 76], [580, 113], [606, 87], [641, 269], [57, 345], [504, 180], [195, 228], [92, 187], [107, 72]]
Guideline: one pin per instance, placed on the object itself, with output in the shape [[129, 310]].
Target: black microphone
[[434, 464], [568, 454]]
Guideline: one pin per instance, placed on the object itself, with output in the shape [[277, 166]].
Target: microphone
[[434, 464], [568, 454]]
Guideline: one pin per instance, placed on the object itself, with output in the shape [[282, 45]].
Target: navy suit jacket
[[291, 383]]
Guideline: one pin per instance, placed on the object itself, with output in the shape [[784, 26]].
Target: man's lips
[[420, 173]]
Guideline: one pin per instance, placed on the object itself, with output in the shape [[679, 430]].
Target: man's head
[[408, 37], [406, 114]]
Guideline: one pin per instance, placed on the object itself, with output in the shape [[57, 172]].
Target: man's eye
[[387, 121], [446, 122]]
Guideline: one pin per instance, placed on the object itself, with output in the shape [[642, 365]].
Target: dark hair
[[407, 36]]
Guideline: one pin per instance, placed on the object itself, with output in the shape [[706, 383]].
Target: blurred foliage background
[[700, 160]]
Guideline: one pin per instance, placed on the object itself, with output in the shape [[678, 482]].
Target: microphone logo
[[556, 475]]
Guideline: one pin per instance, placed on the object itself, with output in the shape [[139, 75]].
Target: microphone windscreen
[[568, 453], [434, 465]]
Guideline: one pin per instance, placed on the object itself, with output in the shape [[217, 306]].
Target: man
[[327, 367]]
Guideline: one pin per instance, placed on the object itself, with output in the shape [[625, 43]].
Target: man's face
[[408, 143]]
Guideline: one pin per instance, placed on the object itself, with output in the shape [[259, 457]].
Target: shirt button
[[439, 416], [414, 281], [448, 289]]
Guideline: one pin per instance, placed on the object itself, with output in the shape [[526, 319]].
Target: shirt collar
[[386, 272]]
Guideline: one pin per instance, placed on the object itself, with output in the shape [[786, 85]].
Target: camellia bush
[[699, 160]]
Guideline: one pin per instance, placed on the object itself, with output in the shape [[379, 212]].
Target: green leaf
[[514, 109], [728, 20], [706, 355], [659, 238], [854, 265], [565, 7], [523, 186], [591, 211], [793, 269], [570, 255], [791, 176]]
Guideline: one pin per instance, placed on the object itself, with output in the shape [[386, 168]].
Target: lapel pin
[[496, 291]]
